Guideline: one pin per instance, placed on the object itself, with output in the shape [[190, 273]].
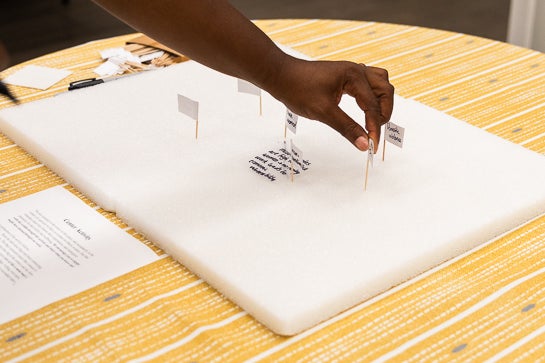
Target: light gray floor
[[34, 27]]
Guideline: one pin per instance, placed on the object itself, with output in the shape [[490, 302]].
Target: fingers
[[374, 95], [338, 120], [359, 87], [314, 90], [350, 129], [383, 90], [373, 127]]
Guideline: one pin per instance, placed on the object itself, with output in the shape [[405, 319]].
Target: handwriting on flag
[[279, 160], [371, 153], [394, 134], [296, 156], [291, 121], [287, 161]]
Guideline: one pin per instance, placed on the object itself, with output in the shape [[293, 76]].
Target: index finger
[[360, 88], [383, 89]]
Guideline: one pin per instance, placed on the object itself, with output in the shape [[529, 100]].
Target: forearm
[[212, 32]]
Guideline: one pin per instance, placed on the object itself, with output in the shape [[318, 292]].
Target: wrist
[[274, 76]]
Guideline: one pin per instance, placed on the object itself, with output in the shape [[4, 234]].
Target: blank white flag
[[188, 107], [247, 87]]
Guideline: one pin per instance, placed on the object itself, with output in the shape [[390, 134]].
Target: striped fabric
[[487, 305]]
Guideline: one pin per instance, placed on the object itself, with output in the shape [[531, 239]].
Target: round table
[[488, 303]]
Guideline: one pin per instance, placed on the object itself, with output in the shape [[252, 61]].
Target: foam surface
[[291, 254]]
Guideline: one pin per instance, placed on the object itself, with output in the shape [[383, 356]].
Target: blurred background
[[35, 27]]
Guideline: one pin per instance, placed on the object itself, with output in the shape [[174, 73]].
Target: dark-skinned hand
[[313, 89]]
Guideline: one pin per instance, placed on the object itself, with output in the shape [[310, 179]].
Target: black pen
[[5, 91], [82, 83], [88, 82]]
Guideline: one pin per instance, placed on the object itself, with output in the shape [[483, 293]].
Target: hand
[[240, 49], [313, 89]]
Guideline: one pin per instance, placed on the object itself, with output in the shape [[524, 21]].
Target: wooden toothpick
[[366, 174], [189, 108], [369, 159], [291, 169], [384, 147], [260, 105]]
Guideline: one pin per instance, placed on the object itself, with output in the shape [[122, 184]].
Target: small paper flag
[[188, 107], [394, 134], [291, 121], [247, 87], [371, 152]]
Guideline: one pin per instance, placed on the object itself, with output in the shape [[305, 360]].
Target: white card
[[108, 68], [37, 77], [111, 52], [119, 53], [52, 245]]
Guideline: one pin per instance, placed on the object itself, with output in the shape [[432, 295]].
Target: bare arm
[[214, 33]]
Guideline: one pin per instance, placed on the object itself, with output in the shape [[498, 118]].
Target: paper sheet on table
[[108, 68], [37, 77], [52, 245]]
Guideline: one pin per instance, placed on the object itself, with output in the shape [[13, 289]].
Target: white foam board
[[291, 254]]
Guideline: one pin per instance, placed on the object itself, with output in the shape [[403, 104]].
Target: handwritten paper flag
[[370, 154], [394, 134], [286, 159], [291, 121], [296, 155], [295, 158]]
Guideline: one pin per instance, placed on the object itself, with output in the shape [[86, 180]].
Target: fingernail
[[362, 143]]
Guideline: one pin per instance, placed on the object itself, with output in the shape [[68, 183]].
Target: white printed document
[[52, 245]]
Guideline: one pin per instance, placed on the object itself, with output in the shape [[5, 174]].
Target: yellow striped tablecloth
[[485, 305]]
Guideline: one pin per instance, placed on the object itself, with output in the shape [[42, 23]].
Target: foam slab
[[291, 254]]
